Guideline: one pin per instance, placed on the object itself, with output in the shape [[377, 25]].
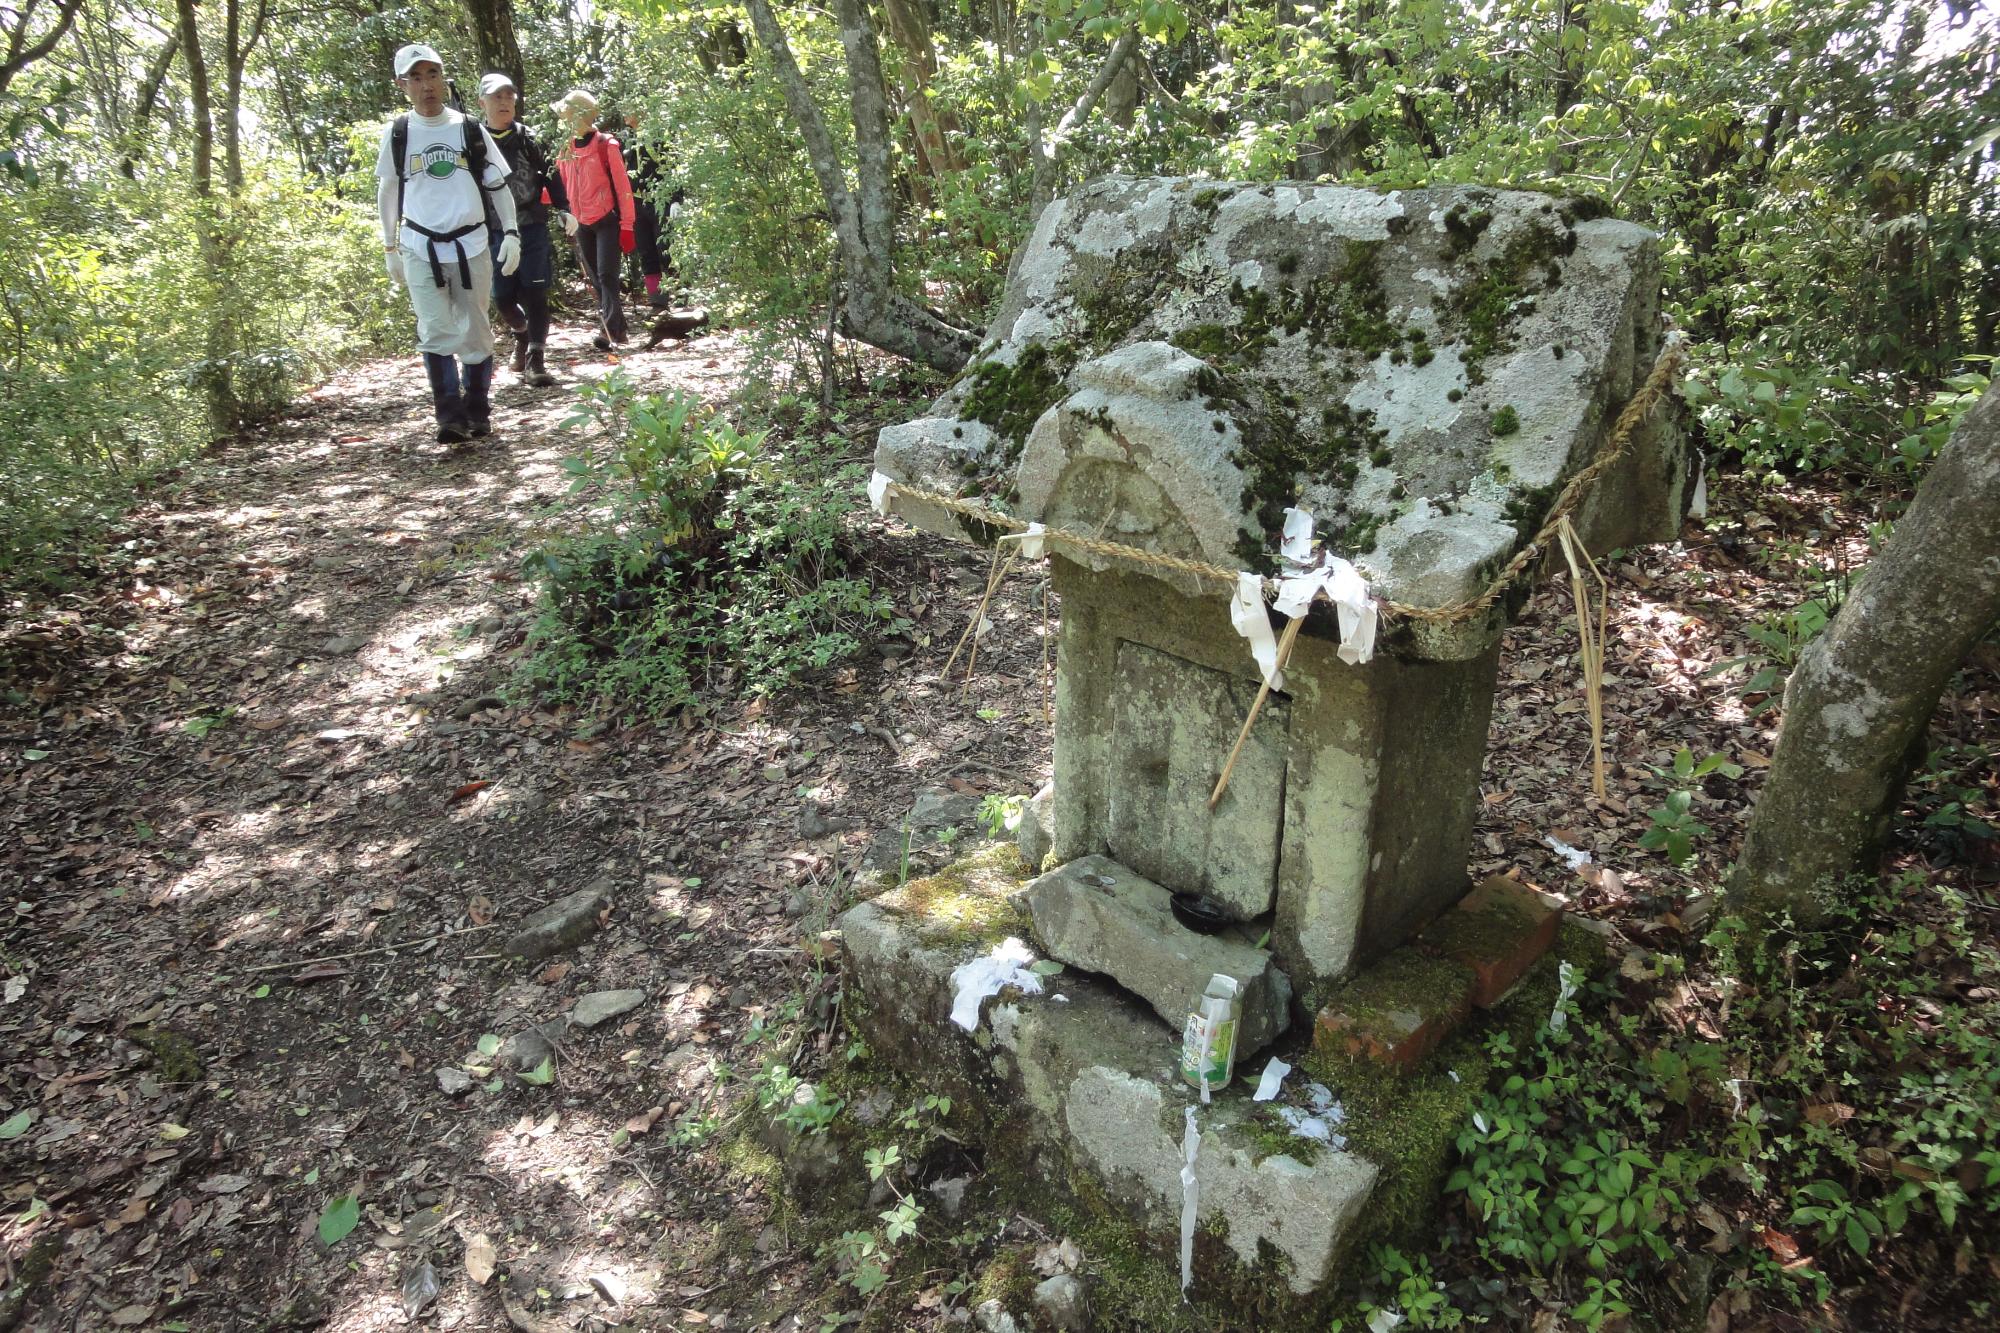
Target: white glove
[[568, 223], [509, 255], [393, 261]]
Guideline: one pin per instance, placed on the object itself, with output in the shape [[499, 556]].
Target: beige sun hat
[[574, 102]]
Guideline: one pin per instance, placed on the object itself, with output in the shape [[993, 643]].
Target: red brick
[[1498, 931], [1396, 1012]]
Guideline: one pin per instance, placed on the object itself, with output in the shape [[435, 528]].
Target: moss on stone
[[175, 1058], [1403, 981], [1279, 458], [969, 901], [1525, 510], [1505, 422], [1224, 345], [1463, 227], [1012, 398], [1407, 1125], [1485, 309], [1111, 305]]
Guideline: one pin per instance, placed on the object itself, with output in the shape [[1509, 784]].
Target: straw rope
[[1658, 384]]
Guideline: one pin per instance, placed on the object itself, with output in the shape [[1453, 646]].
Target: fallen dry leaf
[[467, 790], [480, 909], [319, 972], [480, 1258]]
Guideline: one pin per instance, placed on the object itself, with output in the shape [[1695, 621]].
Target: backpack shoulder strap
[[399, 149], [475, 150]]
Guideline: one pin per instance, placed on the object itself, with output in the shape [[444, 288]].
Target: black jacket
[[528, 175]]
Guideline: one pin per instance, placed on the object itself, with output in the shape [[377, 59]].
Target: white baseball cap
[[493, 83], [413, 54]]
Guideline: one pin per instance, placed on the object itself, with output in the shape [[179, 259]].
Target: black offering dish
[[1200, 913]]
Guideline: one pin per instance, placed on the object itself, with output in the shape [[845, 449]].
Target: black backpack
[[475, 159]]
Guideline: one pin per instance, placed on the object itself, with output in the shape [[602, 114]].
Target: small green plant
[[1780, 638], [1001, 814], [201, 725], [1674, 828]]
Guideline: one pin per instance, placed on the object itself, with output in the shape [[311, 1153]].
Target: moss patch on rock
[[970, 901], [1012, 398]]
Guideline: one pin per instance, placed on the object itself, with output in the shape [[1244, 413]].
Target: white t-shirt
[[438, 192]]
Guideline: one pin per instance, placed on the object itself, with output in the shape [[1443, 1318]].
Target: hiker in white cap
[[522, 297], [440, 180]]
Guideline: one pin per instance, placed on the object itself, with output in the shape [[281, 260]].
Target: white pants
[[451, 320]]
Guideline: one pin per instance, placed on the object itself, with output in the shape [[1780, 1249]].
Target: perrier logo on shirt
[[438, 162]]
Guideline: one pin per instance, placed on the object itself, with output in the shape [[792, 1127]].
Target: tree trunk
[[1047, 157], [1862, 695], [493, 40], [937, 132], [863, 218], [204, 123]]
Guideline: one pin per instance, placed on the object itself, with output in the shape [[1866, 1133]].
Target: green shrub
[[126, 350], [706, 564], [1837, 1092]]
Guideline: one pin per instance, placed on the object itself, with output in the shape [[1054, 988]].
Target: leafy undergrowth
[[1771, 1122], [701, 563]]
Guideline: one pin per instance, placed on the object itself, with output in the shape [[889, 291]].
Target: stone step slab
[[1098, 915]]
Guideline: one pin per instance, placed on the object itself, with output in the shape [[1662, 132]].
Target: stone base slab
[[1083, 1082]]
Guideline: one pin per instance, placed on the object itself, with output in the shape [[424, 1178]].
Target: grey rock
[[1096, 914], [597, 1006], [1035, 834], [562, 925], [452, 1082], [937, 809], [992, 1317], [344, 645], [489, 625], [873, 1109], [813, 822], [1128, 265], [526, 1049], [951, 1195], [1064, 1302], [797, 904]]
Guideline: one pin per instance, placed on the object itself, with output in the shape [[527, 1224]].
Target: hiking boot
[[538, 370], [478, 401], [447, 398], [520, 354], [452, 426], [600, 342], [659, 300]]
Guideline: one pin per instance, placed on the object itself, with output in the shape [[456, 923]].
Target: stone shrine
[[1175, 364]]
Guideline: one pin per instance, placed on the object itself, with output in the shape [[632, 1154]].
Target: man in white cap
[[522, 297], [438, 177]]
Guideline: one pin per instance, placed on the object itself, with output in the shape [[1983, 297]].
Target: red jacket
[[595, 180]]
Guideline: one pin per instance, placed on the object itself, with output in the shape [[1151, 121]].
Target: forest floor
[[273, 736]]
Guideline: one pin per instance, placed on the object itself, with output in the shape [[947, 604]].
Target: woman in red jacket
[[600, 198]]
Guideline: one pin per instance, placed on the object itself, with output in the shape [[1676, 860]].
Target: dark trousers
[[525, 291], [599, 243], [650, 253]]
